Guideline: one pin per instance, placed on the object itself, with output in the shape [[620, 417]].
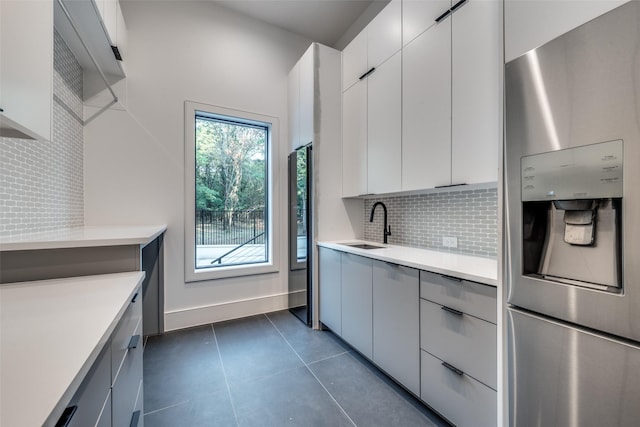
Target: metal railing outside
[[229, 227]]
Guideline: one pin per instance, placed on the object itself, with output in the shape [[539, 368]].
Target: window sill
[[215, 273]]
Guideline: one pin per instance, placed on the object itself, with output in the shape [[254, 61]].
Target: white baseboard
[[196, 316]]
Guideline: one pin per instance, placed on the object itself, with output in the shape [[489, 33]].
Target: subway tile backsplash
[[41, 182], [422, 221]]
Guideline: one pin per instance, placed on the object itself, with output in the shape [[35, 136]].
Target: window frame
[[193, 274]]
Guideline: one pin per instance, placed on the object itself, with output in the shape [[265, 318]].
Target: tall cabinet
[[314, 117]]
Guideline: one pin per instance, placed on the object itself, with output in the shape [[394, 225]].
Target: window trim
[[192, 274]]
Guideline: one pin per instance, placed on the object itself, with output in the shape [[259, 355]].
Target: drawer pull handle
[[452, 278], [135, 418], [452, 368], [452, 310], [457, 5], [135, 297], [133, 342], [66, 416], [450, 11], [444, 15], [367, 73]]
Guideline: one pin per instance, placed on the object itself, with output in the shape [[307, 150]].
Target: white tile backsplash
[[422, 221]]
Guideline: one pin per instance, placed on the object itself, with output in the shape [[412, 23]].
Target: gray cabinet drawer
[[92, 393], [123, 333], [464, 341], [469, 297], [458, 397], [125, 388]]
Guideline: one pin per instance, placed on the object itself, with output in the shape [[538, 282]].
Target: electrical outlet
[[450, 242]]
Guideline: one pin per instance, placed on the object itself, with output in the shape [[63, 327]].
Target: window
[[228, 182]]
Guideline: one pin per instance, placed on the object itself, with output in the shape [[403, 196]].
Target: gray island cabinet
[[434, 334]]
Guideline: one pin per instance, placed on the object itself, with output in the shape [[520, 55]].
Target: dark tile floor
[[269, 370]]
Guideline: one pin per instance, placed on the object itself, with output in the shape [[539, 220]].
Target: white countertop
[[51, 332], [477, 269], [82, 237]]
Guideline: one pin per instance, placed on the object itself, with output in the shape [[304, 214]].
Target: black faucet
[[386, 231]]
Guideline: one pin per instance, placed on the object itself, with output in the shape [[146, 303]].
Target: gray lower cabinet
[[458, 339], [111, 393], [357, 303], [396, 320], [330, 289]]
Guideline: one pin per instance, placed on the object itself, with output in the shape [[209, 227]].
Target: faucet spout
[[386, 231]]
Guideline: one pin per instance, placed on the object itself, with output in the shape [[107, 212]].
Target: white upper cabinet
[[354, 60], [419, 15], [372, 106], [374, 45], [476, 92], [384, 34], [451, 99], [301, 101], [26, 68], [531, 23], [354, 140], [426, 109], [384, 127]]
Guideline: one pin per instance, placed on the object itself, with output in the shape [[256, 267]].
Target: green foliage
[[230, 166]]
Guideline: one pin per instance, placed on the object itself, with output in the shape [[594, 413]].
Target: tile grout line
[[224, 373], [329, 357], [166, 407], [311, 372]]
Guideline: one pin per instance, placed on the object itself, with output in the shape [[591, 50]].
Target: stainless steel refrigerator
[[572, 150], [301, 233]]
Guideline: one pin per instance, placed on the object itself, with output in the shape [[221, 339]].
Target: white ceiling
[[323, 21]]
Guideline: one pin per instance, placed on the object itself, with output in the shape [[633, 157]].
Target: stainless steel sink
[[363, 246]]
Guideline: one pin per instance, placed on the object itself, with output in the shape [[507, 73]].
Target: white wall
[[134, 159]]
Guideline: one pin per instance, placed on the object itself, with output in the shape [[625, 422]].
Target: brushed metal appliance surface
[[580, 89], [569, 376]]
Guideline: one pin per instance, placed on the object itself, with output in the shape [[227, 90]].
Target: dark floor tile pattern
[[269, 370]]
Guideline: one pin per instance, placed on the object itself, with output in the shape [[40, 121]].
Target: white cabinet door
[[294, 106], [354, 140], [426, 109], [476, 92], [384, 127], [396, 320], [354, 60], [26, 68], [109, 17], [121, 34], [357, 303], [306, 96], [330, 289], [384, 34], [419, 15], [532, 23]]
